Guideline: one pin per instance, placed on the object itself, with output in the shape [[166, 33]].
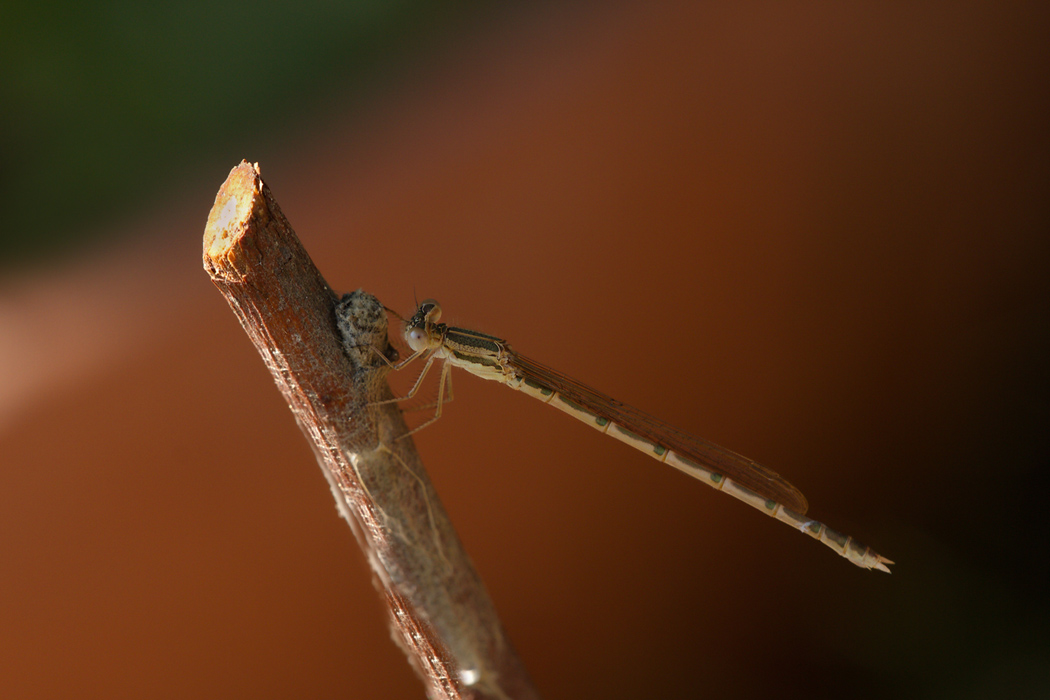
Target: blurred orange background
[[814, 234]]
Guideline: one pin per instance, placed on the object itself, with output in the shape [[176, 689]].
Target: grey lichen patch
[[363, 327], [362, 324]]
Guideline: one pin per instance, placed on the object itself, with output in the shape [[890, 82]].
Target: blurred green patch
[[93, 95]]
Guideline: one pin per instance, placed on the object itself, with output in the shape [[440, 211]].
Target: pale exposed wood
[[441, 615]]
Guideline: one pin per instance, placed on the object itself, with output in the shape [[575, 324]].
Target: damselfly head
[[418, 330]]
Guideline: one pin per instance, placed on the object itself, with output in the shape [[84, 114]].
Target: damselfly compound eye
[[416, 339]]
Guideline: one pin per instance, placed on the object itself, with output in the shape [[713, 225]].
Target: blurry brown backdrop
[[814, 234]]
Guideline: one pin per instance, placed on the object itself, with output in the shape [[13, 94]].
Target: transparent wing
[[740, 469]]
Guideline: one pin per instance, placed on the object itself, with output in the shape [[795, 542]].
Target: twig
[[440, 613]]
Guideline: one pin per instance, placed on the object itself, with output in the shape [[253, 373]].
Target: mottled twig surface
[[324, 355]]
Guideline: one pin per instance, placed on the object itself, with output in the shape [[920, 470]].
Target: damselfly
[[491, 358]]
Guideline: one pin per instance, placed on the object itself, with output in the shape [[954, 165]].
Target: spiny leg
[[419, 379], [433, 404], [446, 378], [394, 366]]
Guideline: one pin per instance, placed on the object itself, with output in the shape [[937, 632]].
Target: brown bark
[[439, 610]]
